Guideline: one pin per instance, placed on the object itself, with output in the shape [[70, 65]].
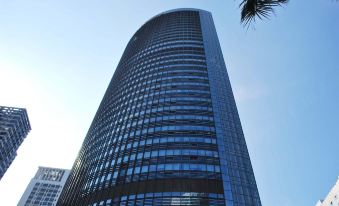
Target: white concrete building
[[45, 188], [332, 199]]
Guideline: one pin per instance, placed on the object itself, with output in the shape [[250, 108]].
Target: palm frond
[[250, 9]]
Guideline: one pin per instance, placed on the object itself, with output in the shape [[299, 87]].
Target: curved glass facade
[[155, 139]]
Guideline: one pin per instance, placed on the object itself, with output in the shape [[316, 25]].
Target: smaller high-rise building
[[45, 188], [14, 127], [332, 198]]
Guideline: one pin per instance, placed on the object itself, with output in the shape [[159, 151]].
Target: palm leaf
[[250, 9]]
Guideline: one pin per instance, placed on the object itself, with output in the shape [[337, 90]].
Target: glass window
[[147, 155], [144, 169], [129, 171], [137, 170], [160, 167], [155, 153]]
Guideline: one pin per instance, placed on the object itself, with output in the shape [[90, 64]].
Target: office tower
[[167, 131], [332, 198], [45, 187], [14, 127]]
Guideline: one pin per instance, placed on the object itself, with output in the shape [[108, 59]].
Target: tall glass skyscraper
[[167, 131]]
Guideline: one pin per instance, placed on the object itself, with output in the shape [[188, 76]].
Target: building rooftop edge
[[332, 190], [19, 108], [171, 11], [181, 9], [44, 167], [175, 10]]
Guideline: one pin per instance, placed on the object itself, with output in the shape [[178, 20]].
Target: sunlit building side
[[45, 187]]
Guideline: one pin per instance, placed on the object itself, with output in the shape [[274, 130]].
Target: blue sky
[[57, 58]]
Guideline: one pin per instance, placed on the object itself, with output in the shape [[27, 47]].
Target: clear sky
[[57, 58]]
